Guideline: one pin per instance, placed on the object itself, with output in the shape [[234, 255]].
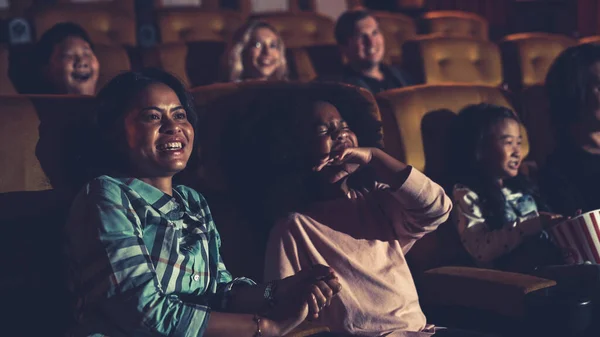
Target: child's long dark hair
[[471, 129], [266, 151]]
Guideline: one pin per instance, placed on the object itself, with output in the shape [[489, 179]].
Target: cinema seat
[[434, 60], [526, 57], [300, 29], [40, 146], [108, 27], [396, 29], [191, 24], [113, 61], [195, 63], [416, 120], [455, 24]]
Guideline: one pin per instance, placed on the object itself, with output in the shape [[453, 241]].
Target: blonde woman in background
[[256, 52]]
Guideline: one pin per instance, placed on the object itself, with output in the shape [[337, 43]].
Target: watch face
[[269, 291]]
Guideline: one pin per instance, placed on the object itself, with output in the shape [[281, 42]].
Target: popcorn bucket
[[579, 238]]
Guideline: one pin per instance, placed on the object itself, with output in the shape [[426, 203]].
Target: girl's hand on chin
[[353, 155], [356, 156]]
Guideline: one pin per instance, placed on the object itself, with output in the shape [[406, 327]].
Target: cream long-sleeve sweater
[[364, 240]]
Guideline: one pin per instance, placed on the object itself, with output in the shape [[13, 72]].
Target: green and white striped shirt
[[143, 263]]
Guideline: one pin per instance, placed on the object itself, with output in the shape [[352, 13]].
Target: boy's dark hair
[[470, 130], [567, 85], [55, 35], [113, 102], [346, 25]]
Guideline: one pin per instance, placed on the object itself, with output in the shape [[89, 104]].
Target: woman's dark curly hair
[[269, 142], [112, 103], [470, 132], [568, 85]]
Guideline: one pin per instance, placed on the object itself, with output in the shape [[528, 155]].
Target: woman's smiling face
[[158, 135]]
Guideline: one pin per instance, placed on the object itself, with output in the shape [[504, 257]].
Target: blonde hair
[[233, 67]]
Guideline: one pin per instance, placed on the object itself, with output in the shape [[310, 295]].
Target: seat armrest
[[307, 329], [496, 291]]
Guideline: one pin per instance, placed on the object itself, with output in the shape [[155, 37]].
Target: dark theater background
[[456, 52]]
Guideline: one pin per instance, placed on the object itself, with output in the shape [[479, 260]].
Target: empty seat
[[300, 29], [526, 57], [190, 24], [396, 29], [300, 66], [435, 60], [194, 63], [416, 120], [6, 86], [455, 24], [108, 27], [326, 60], [113, 61]]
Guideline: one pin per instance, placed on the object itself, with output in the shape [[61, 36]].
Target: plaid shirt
[[144, 263]]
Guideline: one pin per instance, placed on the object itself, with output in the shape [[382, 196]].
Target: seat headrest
[[300, 29], [178, 25]]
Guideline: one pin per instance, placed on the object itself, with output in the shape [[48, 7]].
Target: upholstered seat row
[[519, 61]]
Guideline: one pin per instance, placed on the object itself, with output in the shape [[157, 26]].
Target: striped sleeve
[[115, 270]]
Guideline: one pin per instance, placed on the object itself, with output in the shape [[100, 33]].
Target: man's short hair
[[346, 24]]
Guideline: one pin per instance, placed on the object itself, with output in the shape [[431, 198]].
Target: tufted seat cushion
[[190, 24], [113, 61], [194, 63], [527, 57], [416, 120], [300, 29], [108, 27], [455, 24], [440, 59], [396, 29]]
